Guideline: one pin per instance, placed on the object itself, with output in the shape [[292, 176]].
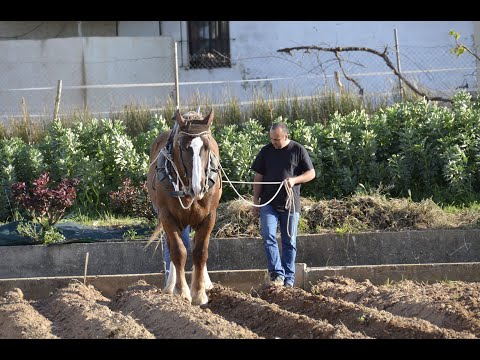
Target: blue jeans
[[185, 235], [283, 265]]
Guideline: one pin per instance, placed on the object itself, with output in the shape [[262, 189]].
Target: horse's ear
[[179, 118], [209, 118]]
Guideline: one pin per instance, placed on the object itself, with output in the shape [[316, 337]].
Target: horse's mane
[[192, 115], [194, 123]]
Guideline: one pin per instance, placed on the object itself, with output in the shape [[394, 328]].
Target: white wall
[[140, 56], [424, 45], [138, 28], [27, 64]]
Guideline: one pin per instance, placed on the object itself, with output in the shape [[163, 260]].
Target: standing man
[[282, 159]]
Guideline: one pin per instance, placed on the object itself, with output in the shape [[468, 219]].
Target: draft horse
[[185, 186]]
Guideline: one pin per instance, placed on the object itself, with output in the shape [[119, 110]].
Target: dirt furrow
[[170, 317], [408, 299], [268, 320], [20, 320], [372, 322], [80, 312]]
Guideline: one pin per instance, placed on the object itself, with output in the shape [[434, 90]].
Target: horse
[[185, 187]]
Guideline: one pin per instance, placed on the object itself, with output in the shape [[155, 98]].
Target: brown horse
[[185, 186]]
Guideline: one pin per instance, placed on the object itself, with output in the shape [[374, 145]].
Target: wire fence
[[149, 82]]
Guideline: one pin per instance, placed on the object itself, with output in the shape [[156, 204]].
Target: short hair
[[280, 125]]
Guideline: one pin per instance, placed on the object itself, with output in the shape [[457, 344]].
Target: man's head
[[279, 135]]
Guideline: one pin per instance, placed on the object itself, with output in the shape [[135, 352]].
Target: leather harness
[[165, 169]]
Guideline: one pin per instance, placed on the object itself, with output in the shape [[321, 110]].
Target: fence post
[[57, 100], [177, 91], [397, 50]]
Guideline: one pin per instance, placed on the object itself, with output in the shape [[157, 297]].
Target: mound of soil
[[336, 308]]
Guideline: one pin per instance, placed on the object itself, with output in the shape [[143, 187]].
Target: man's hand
[[255, 211], [291, 182]]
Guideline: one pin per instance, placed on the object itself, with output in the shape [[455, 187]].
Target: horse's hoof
[[185, 294], [209, 286], [168, 290], [200, 299]]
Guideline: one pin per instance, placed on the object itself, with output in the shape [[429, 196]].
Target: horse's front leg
[[200, 279], [176, 282]]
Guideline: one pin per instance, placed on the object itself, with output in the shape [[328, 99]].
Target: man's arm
[[300, 179], [257, 188]]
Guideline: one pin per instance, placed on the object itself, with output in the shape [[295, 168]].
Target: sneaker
[[290, 285], [276, 280]]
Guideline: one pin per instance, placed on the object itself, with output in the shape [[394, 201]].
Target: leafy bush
[[45, 205], [8, 149], [131, 200]]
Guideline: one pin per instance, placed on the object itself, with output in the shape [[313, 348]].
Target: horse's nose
[[197, 190]]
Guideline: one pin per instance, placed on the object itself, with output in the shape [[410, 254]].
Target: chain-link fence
[[109, 83]]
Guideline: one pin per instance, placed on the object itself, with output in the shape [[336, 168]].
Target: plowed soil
[[335, 308]]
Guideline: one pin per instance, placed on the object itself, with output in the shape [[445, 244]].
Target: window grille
[[209, 44]]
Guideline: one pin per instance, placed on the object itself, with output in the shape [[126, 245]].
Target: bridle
[[188, 190], [165, 167]]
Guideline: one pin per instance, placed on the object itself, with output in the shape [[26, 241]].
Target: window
[[209, 44]]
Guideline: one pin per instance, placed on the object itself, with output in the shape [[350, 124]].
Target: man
[[282, 159]]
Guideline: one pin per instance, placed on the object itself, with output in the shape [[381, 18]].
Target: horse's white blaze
[[196, 145]]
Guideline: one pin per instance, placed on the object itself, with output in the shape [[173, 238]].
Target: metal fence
[[268, 74]]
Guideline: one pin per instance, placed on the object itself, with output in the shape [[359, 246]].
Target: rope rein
[[289, 203]]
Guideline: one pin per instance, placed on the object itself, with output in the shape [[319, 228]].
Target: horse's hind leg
[[176, 282], [200, 279]]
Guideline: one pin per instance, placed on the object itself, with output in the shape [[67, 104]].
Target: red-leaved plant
[[132, 200], [46, 205]]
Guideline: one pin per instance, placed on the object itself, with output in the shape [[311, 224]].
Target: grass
[[356, 214], [316, 108], [107, 220]]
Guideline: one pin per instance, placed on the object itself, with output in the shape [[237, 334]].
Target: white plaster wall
[[28, 64], [37, 30], [424, 45], [140, 56], [476, 37], [138, 28]]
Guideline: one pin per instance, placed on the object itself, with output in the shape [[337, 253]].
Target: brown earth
[[336, 308]]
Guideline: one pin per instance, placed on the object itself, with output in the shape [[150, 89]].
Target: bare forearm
[[305, 177], [257, 188]]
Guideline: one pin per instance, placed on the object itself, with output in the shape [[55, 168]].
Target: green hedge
[[413, 149]]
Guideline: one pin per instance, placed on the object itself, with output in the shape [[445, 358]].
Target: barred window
[[209, 44]]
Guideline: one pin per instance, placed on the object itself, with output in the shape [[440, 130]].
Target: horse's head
[[191, 150]]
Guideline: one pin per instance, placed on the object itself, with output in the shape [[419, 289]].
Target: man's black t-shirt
[[277, 165]]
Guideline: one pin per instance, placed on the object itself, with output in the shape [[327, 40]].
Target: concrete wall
[[41, 30], [79, 61], [416, 247], [423, 45], [107, 56], [139, 28], [476, 40]]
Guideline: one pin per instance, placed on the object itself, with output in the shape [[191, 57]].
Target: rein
[[288, 204]]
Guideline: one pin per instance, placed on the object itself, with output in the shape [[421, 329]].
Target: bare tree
[[338, 50]]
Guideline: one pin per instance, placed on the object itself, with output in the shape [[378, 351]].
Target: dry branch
[[383, 55]]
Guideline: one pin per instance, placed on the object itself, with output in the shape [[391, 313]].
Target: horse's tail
[[156, 236]]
